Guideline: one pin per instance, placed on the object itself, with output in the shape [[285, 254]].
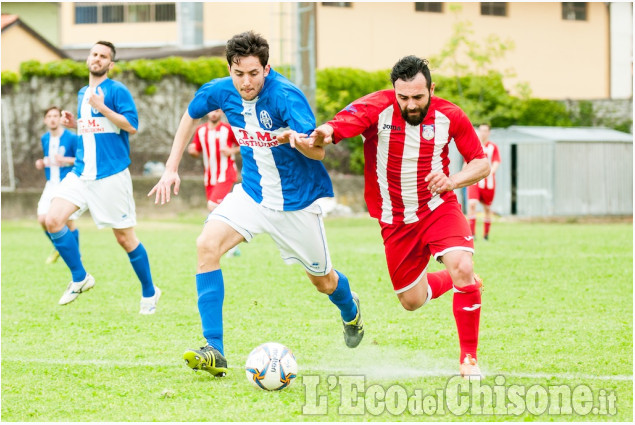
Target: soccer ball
[[271, 366]]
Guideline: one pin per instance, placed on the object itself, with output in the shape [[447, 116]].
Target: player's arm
[[96, 100], [475, 170], [301, 143], [64, 161], [495, 167], [170, 176]]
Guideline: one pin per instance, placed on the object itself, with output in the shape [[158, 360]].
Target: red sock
[[486, 225], [439, 282], [467, 313], [472, 221]]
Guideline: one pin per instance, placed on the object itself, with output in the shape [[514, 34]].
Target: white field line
[[402, 373]]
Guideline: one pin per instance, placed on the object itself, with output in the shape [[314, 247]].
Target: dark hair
[[247, 44], [408, 67], [50, 108], [113, 51]]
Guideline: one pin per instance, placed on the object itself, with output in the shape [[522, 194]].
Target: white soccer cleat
[[149, 304], [469, 368], [75, 288]]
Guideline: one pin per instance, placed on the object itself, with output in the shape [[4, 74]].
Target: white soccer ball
[[271, 366]]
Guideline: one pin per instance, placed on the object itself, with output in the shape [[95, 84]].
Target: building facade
[[561, 50]]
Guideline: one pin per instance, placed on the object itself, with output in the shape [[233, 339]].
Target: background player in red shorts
[[407, 132], [484, 190], [216, 141]]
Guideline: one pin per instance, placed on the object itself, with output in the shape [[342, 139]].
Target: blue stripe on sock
[[343, 298], [211, 293], [141, 265]]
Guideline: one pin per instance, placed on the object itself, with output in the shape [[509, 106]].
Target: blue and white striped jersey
[[104, 148], [65, 145], [276, 176]]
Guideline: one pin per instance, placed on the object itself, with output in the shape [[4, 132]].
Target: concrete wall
[[349, 192]]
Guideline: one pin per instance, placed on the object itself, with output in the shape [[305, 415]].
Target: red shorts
[[217, 192], [409, 246], [484, 195]]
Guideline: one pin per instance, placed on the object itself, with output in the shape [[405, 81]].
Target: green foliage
[[150, 90], [10, 78], [542, 112], [336, 88], [55, 69]]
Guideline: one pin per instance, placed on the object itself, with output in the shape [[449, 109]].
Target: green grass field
[[557, 315]]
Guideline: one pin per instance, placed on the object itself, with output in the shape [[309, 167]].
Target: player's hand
[[162, 189], [439, 183], [39, 164], [68, 119], [96, 99], [321, 136], [289, 136], [226, 150], [191, 149]]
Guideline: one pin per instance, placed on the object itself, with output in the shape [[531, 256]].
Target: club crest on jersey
[[427, 132], [266, 120]]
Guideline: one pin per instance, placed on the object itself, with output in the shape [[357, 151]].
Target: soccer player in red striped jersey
[[407, 132], [215, 140], [484, 190]]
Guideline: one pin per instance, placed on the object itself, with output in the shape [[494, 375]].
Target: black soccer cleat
[[354, 330], [208, 359]]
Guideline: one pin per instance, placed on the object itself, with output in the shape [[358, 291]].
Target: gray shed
[[562, 171]]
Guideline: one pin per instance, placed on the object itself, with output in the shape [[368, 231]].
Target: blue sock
[[211, 293], [66, 245], [141, 265], [343, 298], [76, 235]]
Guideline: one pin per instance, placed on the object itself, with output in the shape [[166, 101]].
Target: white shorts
[[109, 200], [300, 235], [49, 192]]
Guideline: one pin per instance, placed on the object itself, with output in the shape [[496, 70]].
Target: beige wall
[[19, 46], [549, 52], [559, 59], [274, 21], [85, 35]]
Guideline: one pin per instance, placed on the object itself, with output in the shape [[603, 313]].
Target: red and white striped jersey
[[398, 156], [491, 151], [208, 140]]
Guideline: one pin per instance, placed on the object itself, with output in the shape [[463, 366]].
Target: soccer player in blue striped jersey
[[59, 146], [281, 180], [100, 180]]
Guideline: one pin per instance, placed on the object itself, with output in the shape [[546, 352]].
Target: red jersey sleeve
[[465, 137], [360, 115]]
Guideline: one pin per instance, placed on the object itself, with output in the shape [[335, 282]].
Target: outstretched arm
[[170, 176], [300, 142]]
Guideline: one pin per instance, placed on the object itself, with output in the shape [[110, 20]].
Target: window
[[574, 11], [494, 9], [108, 13], [165, 12], [85, 14], [337, 3], [429, 7], [139, 13]]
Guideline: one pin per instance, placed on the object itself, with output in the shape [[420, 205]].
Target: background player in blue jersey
[[100, 180], [59, 146], [277, 196]]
